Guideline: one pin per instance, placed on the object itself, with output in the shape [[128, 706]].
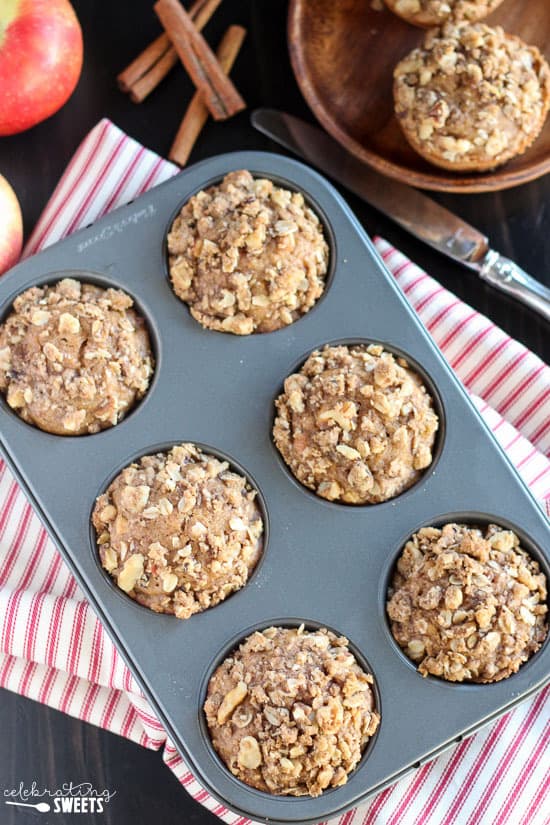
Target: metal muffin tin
[[325, 564]]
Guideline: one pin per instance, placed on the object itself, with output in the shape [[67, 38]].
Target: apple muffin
[[74, 357], [428, 13], [247, 256], [179, 531], [291, 711], [467, 603], [471, 97], [355, 424]]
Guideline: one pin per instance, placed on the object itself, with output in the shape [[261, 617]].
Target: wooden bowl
[[343, 53]]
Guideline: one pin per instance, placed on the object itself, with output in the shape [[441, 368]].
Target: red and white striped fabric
[[54, 650]]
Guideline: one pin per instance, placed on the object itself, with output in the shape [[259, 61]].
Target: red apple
[[11, 227], [40, 60]]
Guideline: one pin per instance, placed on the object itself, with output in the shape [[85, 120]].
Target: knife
[[415, 212]]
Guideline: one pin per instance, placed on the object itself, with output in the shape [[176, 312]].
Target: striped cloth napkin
[[54, 650]]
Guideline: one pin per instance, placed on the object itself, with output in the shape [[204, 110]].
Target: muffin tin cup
[[472, 518], [163, 447], [287, 622], [324, 564], [86, 276], [431, 388]]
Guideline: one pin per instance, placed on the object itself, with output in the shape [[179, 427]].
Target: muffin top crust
[[471, 97], [467, 603], [430, 13], [291, 711], [74, 357], [247, 255], [355, 424], [179, 531]]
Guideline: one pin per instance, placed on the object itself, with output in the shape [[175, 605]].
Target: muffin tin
[[324, 564]]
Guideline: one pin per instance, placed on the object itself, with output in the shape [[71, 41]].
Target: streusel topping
[[435, 12], [247, 255], [179, 531], [291, 711], [471, 97], [74, 357], [467, 604], [355, 424]]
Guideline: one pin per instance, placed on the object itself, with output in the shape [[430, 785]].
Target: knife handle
[[510, 278]]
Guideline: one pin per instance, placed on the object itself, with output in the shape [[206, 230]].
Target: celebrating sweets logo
[[69, 798]]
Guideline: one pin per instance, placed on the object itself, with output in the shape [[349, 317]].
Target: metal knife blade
[[415, 212]]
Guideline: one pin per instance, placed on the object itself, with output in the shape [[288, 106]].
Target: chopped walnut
[[173, 560], [458, 605], [355, 425], [249, 756], [231, 701], [471, 97], [74, 357], [305, 711], [131, 572], [247, 256]]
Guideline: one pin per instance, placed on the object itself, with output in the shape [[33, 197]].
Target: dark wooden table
[[43, 744]]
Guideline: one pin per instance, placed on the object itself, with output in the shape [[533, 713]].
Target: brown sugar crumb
[[247, 256], [179, 531], [467, 604], [291, 711], [471, 97], [74, 358], [435, 12], [355, 424]]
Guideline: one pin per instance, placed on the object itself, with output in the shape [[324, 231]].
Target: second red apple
[[11, 227]]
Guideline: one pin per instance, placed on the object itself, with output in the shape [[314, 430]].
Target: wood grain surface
[[344, 54], [43, 744]]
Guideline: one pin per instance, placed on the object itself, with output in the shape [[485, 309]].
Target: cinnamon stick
[[144, 73], [143, 62], [218, 92], [197, 114], [151, 79]]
